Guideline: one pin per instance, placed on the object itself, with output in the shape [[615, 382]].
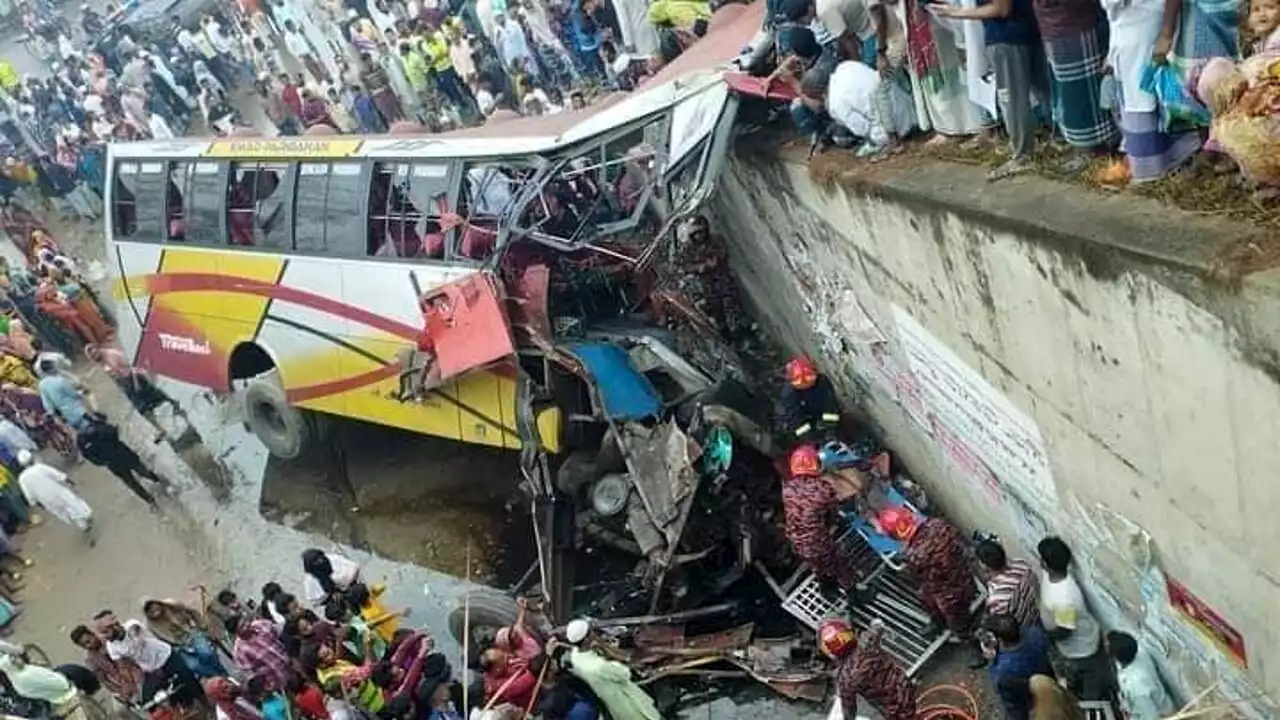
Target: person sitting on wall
[[809, 402]]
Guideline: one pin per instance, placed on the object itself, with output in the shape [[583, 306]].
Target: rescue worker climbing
[[809, 402], [866, 670], [809, 505], [935, 553]]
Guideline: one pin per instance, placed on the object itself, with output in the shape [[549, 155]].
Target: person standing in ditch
[[99, 442]]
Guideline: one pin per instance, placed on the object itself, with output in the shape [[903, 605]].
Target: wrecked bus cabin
[[543, 285]]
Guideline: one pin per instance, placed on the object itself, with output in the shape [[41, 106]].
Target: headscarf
[[221, 694]]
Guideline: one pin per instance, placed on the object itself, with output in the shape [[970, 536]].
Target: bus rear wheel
[[287, 431]]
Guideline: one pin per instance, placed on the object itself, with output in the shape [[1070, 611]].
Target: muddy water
[[407, 497]]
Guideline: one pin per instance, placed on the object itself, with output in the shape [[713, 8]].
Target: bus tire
[[284, 429], [488, 611]]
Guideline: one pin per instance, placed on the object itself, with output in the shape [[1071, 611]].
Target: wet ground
[[402, 495]]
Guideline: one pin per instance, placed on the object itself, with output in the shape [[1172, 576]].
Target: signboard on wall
[[957, 398], [1207, 621]]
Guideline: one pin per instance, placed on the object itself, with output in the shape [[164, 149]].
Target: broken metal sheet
[[647, 535], [650, 353], [769, 660], [659, 635], [719, 645], [527, 299], [623, 393], [661, 466]]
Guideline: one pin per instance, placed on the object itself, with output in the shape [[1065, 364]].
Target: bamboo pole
[[466, 636]]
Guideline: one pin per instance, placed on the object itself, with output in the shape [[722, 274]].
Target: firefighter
[[809, 402], [866, 670], [809, 506], [935, 553]]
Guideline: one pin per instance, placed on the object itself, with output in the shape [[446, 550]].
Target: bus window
[[327, 216], [174, 201], [255, 205], [405, 204], [204, 194], [124, 211], [149, 202], [488, 191]]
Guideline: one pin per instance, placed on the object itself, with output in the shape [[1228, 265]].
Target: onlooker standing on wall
[[1073, 629], [1142, 694]]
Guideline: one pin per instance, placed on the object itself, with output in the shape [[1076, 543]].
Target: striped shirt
[[1014, 591]]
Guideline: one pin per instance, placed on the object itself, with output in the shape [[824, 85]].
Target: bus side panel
[[132, 266], [488, 401], [203, 304], [306, 326]]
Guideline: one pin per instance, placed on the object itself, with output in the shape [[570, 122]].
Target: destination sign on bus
[[291, 148]]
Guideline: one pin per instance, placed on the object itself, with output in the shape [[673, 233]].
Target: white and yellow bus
[[292, 270]]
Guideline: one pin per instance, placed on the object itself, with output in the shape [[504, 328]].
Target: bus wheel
[[284, 429]]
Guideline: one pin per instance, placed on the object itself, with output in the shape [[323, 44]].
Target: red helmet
[[801, 372], [836, 637], [897, 522], [805, 462]]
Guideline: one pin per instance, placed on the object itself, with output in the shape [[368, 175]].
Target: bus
[[402, 280]]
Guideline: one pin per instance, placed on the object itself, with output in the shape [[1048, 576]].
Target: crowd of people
[[349, 67], [336, 653], [1152, 81]]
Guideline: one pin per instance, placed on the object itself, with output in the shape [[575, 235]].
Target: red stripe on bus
[[165, 283]]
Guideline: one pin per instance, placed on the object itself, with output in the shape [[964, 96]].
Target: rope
[[944, 710]]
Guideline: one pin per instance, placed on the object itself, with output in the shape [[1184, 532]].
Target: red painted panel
[[467, 324]]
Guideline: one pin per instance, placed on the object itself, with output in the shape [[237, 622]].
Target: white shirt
[[160, 129], [345, 572], [93, 103], [841, 16], [139, 645], [15, 438], [296, 45], [511, 43], [852, 102], [217, 38], [1062, 605], [485, 101], [1142, 694]]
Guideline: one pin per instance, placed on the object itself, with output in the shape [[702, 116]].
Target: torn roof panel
[[624, 393]]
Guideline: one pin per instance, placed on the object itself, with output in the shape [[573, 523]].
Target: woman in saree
[[185, 629], [15, 339], [23, 406], [84, 302], [57, 306]]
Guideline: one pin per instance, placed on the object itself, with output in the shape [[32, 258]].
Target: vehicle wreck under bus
[[481, 285]]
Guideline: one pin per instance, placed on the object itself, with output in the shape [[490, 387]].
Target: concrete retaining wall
[[1049, 360]]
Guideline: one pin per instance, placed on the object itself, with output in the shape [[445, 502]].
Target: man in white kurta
[[49, 488]]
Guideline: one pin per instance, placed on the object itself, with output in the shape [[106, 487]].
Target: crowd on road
[[335, 653]]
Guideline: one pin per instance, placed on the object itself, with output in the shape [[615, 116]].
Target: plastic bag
[[1177, 106]]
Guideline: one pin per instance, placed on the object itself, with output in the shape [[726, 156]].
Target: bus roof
[[697, 70]]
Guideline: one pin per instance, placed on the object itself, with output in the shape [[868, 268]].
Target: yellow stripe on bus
[[284, 149]]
